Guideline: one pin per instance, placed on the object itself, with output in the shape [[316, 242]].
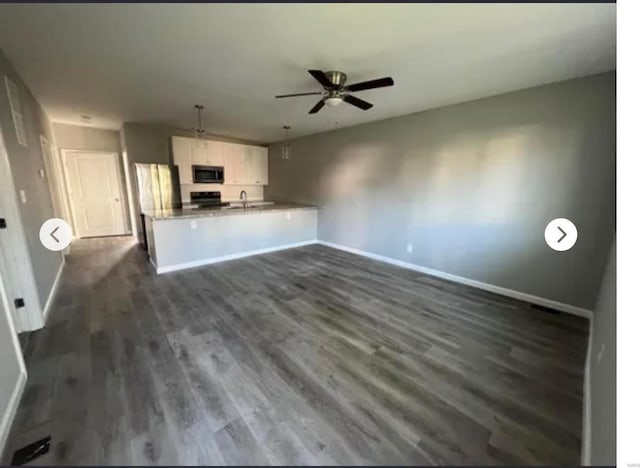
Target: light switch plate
[[288, 215], [194, 224], [23, 196], [42, 174]]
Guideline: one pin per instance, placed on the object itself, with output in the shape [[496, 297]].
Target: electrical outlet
[[194, 224], [409, 248]]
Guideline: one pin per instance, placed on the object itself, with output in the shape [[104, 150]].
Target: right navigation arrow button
[[566, 239], [564, 234]]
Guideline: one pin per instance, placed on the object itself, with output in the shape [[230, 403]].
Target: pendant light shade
[[200, 132], [286, 148]]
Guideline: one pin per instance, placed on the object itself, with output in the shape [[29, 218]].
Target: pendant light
[[286, 148], [199, 132]]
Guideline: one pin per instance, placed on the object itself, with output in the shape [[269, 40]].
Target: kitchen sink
[[240, 206]]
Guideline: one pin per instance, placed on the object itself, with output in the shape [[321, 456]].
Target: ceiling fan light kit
[[335, 92]]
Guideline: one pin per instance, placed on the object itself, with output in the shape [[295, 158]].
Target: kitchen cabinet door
[[215, 153], [199, 152], [251, 166], [233, 164], [262, 165], [181, 148], [241, 165], [256, 165]]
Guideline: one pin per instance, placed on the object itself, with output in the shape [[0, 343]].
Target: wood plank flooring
[[305, 356]]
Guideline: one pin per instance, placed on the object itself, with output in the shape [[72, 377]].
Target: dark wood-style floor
[[305, 356]]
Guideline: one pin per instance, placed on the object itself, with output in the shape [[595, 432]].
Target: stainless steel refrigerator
[[158, 187]]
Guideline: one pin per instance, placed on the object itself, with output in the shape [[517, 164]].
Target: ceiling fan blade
[[322, 78], [317, 107], [354, 101], [298, 94], [379, 83]]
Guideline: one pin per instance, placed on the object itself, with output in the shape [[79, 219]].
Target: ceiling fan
[[335, 90]]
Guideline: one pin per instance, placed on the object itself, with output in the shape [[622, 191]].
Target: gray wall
[[472, 186], [86, 138], [143, 143], [603, 370], [146, 142], [25, 164]]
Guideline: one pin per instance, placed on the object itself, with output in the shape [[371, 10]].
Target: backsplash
[[228, 192]]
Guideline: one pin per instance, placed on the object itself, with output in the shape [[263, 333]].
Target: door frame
[[57, 184], [15, 249], [55, 178], [65, 153]]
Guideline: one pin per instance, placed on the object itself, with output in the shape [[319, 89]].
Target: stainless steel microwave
[[208, 174]]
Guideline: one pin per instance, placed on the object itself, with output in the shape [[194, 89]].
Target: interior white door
[[96, 193], [11, 281], [15, 266], [12, 371]]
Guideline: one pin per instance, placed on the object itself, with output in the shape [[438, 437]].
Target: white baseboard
[[586, 404], [52, 294], [12, 408], [469, 282], [224, 258]]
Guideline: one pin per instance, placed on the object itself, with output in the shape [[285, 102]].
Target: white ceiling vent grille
[[16, 111]]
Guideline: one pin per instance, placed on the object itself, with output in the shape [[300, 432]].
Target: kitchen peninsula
[[191, 237]]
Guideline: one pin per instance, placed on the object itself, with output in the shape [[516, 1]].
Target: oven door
[[208, 174]]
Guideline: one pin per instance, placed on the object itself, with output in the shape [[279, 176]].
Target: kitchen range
[[196, 214]]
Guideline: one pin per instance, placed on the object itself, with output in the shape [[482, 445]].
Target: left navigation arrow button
[[55, 234]]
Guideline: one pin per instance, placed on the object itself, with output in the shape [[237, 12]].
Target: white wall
[[220, 236], [227, 192]]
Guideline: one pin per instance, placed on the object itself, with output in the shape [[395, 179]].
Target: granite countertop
[[180, 213]]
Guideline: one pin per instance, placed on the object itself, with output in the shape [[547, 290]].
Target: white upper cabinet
[[243, 164], [263, 165], [181, 148], [234, 164], [215, 153], [199, 153], [256, 165]]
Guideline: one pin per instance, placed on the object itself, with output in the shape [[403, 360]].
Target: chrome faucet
[[243, 198]]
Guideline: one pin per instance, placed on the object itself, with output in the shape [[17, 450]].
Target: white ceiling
[[153, 62]]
